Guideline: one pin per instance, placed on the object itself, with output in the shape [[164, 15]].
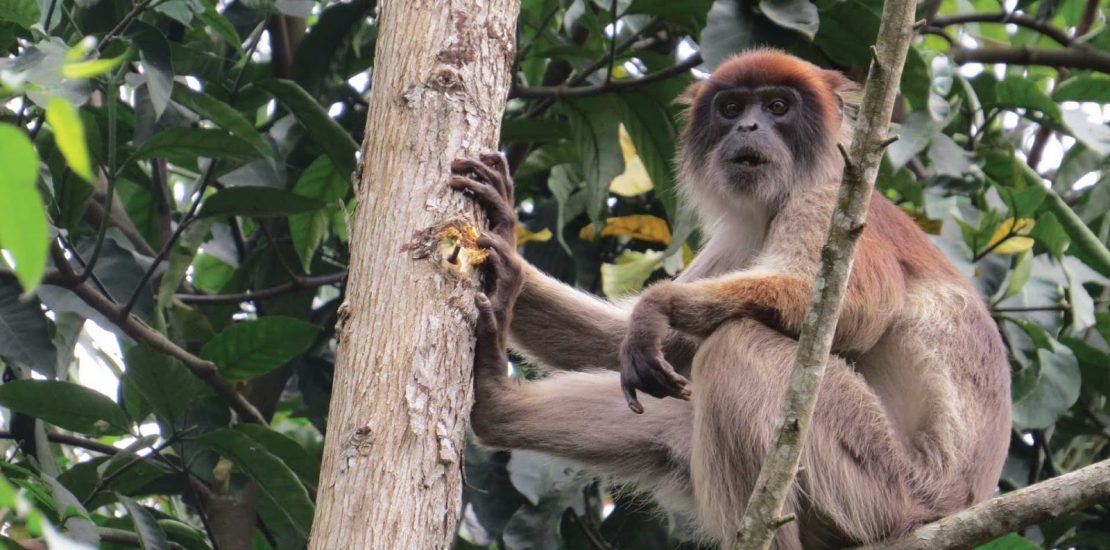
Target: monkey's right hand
[[503, 281], [643, 366], [487, 179]]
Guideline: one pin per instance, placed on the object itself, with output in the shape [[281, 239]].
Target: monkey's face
[[761, 125]]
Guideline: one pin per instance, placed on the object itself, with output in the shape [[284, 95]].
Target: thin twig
[[298, 283], [1020, 20], [566, 91]]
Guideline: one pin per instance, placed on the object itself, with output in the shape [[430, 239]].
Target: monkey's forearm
[[564, 328], [781, 301]]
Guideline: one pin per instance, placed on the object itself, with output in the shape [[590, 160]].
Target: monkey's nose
[[747, 127]]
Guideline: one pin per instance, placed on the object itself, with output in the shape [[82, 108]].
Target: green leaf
[[151, 535], [275, 479], [154, 52], [66, 405], [69, 135], [252, 348], [256, 202], [215, 21], [320, 181], [22, 218], [21, 12], [1089, 87], [332, 138], [163, 382], [24, 331], [1044, 390], [223, 115], [1012, 541], [195, 142], [1023, 268], [595, 124], [1024, 93], [798, 15], [1049, 232], [287, 449]]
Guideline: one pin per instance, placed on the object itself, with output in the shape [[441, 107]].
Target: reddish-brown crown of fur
[[768, 67]]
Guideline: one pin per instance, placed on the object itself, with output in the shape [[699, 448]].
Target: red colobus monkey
[[913, 419]]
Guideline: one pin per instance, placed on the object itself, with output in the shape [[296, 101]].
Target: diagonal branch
[[141, 332], [1012, 511], [763, 515]]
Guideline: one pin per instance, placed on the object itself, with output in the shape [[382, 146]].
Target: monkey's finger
[[488, 197], [486, 328], [630, 398], [485, 174], [677, 385], [498, 162]]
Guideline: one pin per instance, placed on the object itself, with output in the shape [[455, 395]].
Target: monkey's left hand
[[487, 179], [643, 366]]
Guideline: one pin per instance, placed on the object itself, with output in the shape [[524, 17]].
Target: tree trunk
[[391, 474]]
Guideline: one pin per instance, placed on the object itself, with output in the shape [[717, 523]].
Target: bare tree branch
[[1074, 57], [1020, 20], [1012, 511], [298, 283]]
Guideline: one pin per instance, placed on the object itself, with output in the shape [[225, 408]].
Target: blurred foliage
[[178, 172]]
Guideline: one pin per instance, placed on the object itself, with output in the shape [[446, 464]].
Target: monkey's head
[[761, 125]]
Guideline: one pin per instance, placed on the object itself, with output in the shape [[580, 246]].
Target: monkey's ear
[[690, 95], [844, 89]]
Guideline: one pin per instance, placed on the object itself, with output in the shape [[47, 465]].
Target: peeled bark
[[402, 391]]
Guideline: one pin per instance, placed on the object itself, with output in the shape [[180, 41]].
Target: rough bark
[[401, 396], [861, 166], [1012, 511]]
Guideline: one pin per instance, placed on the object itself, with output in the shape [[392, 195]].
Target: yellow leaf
[[92, 67], [523, 235], [628, 274], [1008, 239], [642, 227], [634, 180], [69, 135], [620, 72]]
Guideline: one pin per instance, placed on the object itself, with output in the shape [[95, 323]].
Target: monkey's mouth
[[749, 158]]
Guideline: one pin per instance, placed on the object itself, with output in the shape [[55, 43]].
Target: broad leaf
[[332, 138], [797, 15], [256, 202], [276, 481], [595, 124], [21, 12], [22, 219], [222, 115], [69, 134], [252, 348], [320, 181], [195, 142], [1044, 390], [151, 535], [24, 331], [66, 405], [164, 383]]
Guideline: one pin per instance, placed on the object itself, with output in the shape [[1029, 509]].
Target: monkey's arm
[[564, 328], [778, 298]]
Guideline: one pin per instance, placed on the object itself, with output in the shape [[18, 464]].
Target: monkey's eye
[[778, 107], [730, 109]]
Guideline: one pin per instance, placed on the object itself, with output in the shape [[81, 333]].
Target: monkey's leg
[[855, 486]]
